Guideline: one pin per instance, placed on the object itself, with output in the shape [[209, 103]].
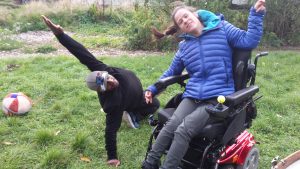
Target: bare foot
[[56, 29]]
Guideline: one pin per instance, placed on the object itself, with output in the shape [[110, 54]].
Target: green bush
[[167, 44], [271, 40], [138, 32]]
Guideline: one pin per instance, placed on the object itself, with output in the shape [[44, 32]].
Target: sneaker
[[131, 120], [147, 165]]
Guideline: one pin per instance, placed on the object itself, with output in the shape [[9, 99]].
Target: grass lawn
[[66, 122]]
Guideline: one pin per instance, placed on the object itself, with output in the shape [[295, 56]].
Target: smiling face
[[188, 22]]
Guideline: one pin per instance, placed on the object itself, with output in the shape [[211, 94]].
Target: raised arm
[[78, 50], [248, 39]]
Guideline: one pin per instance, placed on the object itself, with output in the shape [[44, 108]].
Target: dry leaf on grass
[[86, 159]]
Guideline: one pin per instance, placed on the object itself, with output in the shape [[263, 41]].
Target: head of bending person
[[101, 81]]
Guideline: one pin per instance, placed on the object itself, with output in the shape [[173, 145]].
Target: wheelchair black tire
[[251, 161]]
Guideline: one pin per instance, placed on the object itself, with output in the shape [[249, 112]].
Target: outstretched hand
[[260, 5], [56, 29]]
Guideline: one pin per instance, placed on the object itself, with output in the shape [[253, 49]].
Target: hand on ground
[[114, 162]]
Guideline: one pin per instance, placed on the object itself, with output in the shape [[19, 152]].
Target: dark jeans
[[187, 121]]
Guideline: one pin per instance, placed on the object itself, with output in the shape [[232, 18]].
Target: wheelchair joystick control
[[221, 100], [219, 111]]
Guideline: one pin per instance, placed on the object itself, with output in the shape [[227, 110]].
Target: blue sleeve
[[246, 39], [175, 68]]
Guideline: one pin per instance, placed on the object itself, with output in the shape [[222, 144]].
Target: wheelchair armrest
[[162, 84], [241, 95]]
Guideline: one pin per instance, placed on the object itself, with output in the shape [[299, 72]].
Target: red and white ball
[[16, 104]]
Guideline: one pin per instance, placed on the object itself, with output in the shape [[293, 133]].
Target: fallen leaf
[[86, 159]]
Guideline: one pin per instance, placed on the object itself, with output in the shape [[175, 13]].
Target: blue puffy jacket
[[208, 58]]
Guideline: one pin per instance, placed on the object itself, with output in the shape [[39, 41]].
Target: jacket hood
[[209, 19]]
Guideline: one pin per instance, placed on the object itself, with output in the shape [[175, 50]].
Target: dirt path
[[36, 38]]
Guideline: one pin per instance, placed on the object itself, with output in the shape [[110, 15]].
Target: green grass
[[66, 122], [100, 34], [46, 49]]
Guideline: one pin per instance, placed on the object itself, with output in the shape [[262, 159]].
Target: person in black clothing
[[119, 90]]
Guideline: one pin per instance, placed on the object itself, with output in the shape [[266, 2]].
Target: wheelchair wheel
[[251, 161]]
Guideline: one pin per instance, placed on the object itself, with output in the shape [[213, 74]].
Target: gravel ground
[[34, 38]]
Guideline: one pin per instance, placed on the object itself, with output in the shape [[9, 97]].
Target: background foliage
[[281, 28]]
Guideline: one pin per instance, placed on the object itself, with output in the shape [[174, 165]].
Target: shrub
[[271, 40], [138, 31]]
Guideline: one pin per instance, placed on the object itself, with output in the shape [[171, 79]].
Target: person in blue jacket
[[205, 53]]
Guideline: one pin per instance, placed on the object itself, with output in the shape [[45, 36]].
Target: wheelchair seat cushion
[[211, 130]]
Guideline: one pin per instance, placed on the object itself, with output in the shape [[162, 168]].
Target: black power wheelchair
[[224, 144]]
